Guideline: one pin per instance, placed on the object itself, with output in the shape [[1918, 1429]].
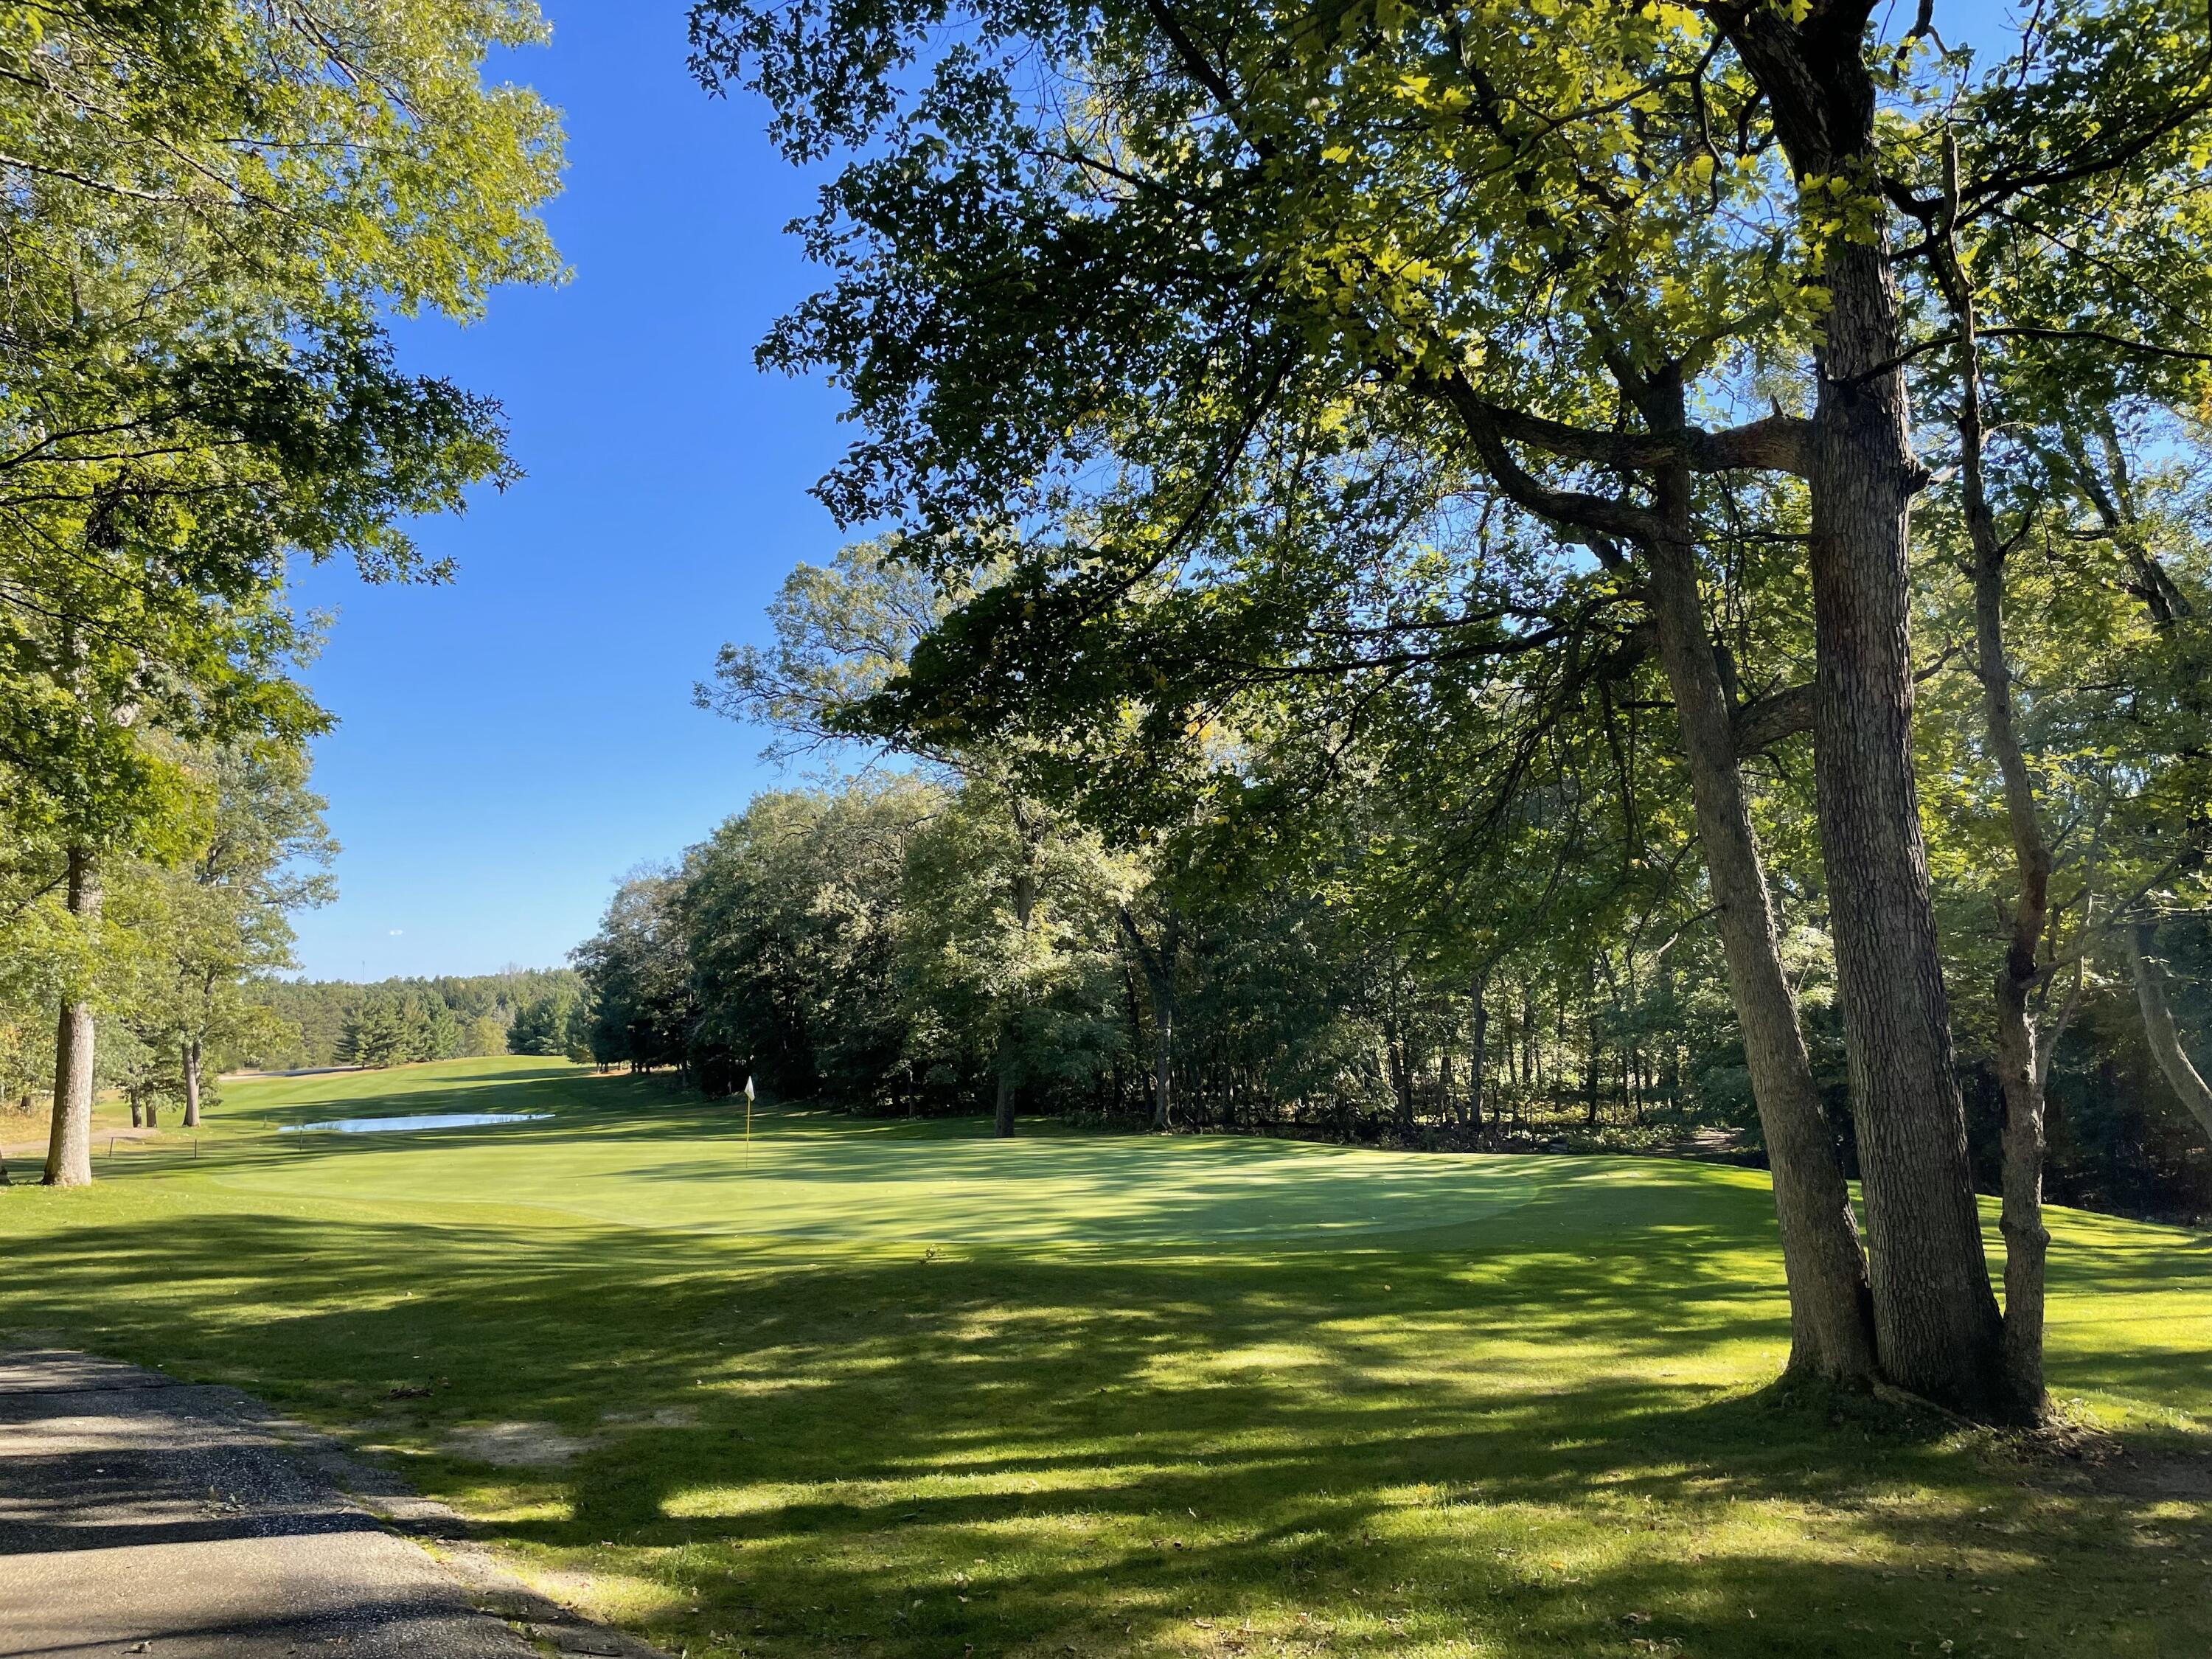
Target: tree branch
[[1774, 443], [1573, 509], [2026, 331], [1765, 721]]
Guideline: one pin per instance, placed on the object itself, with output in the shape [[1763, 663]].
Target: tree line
[[518, 1010], [863, 944], [1562, 453], [182, 942], [210, 208]]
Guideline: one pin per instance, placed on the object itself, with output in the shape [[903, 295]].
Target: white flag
[[749, 1086]]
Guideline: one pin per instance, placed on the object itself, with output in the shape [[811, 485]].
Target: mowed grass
[[880, 1388]]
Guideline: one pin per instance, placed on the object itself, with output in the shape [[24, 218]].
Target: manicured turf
[[894, 1390]]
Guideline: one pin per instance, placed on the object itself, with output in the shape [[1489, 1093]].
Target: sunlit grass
[[891, 1389]]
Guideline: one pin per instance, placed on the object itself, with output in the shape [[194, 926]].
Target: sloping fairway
[[881, 1388]]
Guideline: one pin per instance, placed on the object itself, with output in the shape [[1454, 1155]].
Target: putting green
[[813, 1176]]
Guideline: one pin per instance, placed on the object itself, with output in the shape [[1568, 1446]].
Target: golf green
[[810, 1175]]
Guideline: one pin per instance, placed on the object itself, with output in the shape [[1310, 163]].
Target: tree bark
[[1164, 1062], [1399, 1060], [1592, 1057], [69, 1148], [2027, 1243], [1934, 1315], [1824, 1267], [1164, 1022], [1158, 967], [1478, 1051], [1025, 894], [193, 1083], [2164, 1040], [1937, 1329], [1530, 1040]]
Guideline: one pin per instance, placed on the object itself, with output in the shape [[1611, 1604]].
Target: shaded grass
[[1121, 1423]]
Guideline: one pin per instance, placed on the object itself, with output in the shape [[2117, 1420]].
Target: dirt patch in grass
[[516, 1446], [2172, 1470]]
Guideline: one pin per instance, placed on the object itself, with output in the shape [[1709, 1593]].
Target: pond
[[361, 1125]]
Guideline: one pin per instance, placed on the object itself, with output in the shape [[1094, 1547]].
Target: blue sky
[[512, 743]]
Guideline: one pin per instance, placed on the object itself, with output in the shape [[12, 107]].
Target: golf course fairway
[[865, 1387]]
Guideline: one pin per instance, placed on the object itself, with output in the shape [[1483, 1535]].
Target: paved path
[[138, 1515]]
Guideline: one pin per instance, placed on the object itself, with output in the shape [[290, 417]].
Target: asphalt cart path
[[139, 1514]]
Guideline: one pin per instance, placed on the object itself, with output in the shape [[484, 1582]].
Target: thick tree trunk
[[1935, 1318], [1830, 1324], [69, 1149], [1023, 892], [193, 1083], [1593, 1058], [1399, 1060], [2026, 1242], [1530, 1040], [2159, 1029]]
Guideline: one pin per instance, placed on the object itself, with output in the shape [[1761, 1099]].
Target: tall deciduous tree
[[1100, 263], [210, 204], [263, 861]]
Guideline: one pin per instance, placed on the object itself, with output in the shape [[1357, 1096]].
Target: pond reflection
[[360, 1125]]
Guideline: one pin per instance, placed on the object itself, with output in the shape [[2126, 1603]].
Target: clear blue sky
[[511, 744]]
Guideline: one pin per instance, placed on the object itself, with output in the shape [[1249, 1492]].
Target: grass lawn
[[877, 1388]]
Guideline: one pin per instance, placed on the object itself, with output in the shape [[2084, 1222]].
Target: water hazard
[[361, 1125]]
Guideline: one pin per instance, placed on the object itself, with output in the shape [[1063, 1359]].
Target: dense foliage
[[1453, 452], [859, 946], [318, 1023], [210, 209]]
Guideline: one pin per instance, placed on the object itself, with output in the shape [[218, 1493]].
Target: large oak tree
[[1096, 267]]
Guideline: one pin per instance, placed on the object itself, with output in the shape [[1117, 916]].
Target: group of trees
[[1350, 969], [1444, 555], [1707, 483], [209, 207], [181, 942], [857, 946], [521, 1010]]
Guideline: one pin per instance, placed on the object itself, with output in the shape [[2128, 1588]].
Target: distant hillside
[[333, 1022]]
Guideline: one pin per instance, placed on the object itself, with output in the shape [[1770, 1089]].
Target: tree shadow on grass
[[1541, 1441]]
